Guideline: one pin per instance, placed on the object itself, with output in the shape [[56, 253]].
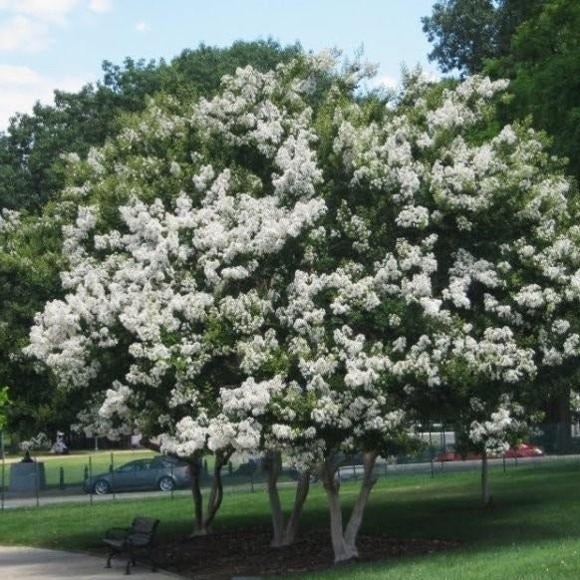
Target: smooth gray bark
[[344, 540], [284, 530]]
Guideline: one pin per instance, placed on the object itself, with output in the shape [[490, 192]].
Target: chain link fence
[[78, 477]]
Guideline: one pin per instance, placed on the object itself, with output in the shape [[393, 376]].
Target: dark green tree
[[465, 33], [544, 65]]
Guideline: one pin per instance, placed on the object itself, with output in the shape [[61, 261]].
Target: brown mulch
[[247, 552]]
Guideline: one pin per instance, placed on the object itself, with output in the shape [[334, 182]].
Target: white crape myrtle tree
[[443, 282], [185, 229], [294, 268]]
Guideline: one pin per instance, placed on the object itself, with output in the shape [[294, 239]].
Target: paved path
[[19, 563]]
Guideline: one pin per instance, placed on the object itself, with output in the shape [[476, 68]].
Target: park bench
[[135, 542]]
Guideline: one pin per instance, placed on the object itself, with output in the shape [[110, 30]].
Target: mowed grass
[[532, 531]]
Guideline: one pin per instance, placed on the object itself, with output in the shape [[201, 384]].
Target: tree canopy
[[544, 65], [466, 33]]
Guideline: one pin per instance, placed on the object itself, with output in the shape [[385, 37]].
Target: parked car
[[522, 450], [162, 472]]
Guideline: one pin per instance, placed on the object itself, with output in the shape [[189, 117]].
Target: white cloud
[[21, 87], [50, 10], [142, 26], [100, 6], [21, 33], [27, 24]]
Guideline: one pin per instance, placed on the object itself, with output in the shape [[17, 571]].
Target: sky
[[50, 44]]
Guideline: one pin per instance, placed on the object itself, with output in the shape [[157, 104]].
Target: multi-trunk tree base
[[284, 529], [344, 539]]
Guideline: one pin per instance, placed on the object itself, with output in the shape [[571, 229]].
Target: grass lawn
[[533, 530]]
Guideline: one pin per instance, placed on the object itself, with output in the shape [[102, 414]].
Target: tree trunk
[[202, 524], [273, 467], [199, 528], [299, 500], [284, 531], [203, 521], [367, 485], [217, 490], [344, 541], [485, 496]]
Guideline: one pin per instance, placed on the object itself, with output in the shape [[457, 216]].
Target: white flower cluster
[[504, 424]]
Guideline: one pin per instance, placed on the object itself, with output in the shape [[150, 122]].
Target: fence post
[[90, 479], [504, 463], [37, 483], [172, 479], [113, 476], [252, 482], [61, 478]]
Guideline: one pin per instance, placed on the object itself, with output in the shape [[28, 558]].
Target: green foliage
[[544, 65], [30, 258], [465, 33], [4, 401], [462, 31]]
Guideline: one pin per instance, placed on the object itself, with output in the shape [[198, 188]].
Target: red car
[[522, 450]]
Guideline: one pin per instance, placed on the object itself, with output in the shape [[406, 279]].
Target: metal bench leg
[[109, 559], [128, 567]]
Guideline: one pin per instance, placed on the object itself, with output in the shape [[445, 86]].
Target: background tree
[[30, 258], [544, 66], [466, 33]]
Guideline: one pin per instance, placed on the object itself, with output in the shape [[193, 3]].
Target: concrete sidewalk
[[21, 563]]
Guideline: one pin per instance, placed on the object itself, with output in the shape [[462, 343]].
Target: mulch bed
[[247, 553]]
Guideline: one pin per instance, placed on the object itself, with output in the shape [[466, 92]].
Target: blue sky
[[48, 44]]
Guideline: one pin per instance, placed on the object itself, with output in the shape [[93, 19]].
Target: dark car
[[161, 472]]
